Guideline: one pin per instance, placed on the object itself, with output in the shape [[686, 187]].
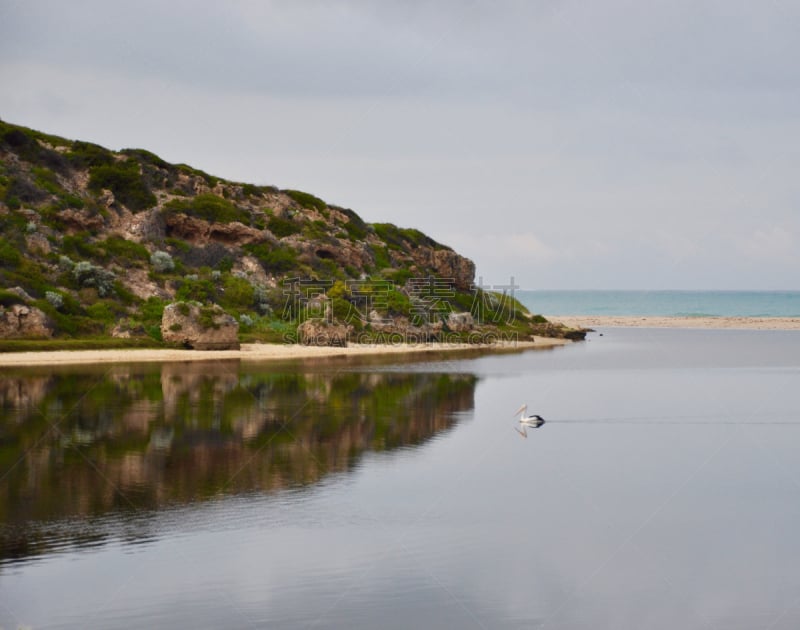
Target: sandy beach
[[261, 352], [732, 323]]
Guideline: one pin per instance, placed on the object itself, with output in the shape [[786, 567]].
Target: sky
[[602, 145]]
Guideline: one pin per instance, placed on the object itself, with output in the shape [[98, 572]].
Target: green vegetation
[[10, 258], [86, 155], [87, 278], [125, 181], [403, 238], [355, 227], [275, 259], [209, 208], [281, 227], [307, 200]]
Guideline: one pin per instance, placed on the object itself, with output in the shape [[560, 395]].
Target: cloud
[[770, 244], [613, 144]]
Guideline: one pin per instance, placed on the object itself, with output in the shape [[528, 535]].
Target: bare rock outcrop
[[201, 231], [321, 332], [199, 327], [460, 322], [20, 321]]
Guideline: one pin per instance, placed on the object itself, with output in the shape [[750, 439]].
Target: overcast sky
[[595, 145]]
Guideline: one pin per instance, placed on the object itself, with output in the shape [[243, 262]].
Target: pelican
[[526, 422]]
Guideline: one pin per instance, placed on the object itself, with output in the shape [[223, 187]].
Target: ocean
[[664, 303]]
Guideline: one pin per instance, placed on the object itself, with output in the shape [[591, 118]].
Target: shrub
[[7, 298], [56, 300], [261, 298], [237, 293], [196, 290], [65, 263], [209, 208], [281, 227], [152, 310], [398, 303], [275, 259], [355, 227], [9, 256], [245, 320], [162, 261], [125, 181], [307, 200], [86, 154], [120, 248], [80, 245], [89, 276]]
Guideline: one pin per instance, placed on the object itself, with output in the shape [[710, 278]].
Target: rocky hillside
[[101, 240]]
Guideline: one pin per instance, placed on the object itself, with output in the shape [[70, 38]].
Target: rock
[[20, 321], [125, 330], [38, 243], [106, 198], [460, 322], [200, 327], [319, 332], [80, 220], [200, 231]]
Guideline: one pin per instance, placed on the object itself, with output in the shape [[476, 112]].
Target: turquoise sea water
[[665, 303]]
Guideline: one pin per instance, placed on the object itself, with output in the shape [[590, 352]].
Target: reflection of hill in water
[[74, 444]]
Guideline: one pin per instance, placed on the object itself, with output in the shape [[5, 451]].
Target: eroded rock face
[[200, 231], [199, 327], [319, 332], [80, 220], [20, 321]]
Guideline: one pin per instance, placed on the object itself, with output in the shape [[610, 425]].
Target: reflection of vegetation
[[157, 435]]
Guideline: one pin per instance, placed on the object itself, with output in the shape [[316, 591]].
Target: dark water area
[[663, 491]]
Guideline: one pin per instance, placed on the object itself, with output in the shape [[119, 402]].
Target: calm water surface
[[664, 491]]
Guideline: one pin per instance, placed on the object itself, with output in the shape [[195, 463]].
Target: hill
[[100, 241]]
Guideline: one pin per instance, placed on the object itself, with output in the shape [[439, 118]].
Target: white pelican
[[525, 422]]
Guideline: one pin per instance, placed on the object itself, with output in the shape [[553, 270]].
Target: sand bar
[[650, 321], [261, 352]]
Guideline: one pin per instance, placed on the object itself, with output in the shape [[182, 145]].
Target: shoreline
[[262, 352], [660, 321]]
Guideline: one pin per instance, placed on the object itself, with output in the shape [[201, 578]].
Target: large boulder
[[321, 332], [200, 327], [460, 322], [19, 321]]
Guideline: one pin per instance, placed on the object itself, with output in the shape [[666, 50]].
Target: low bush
[[307, 200], [162, 261], [276, 259], [209, 208], [281, 227], [123, 250], [125, 181]]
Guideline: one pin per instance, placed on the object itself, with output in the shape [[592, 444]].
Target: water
[[664, 303], [662, 493]]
